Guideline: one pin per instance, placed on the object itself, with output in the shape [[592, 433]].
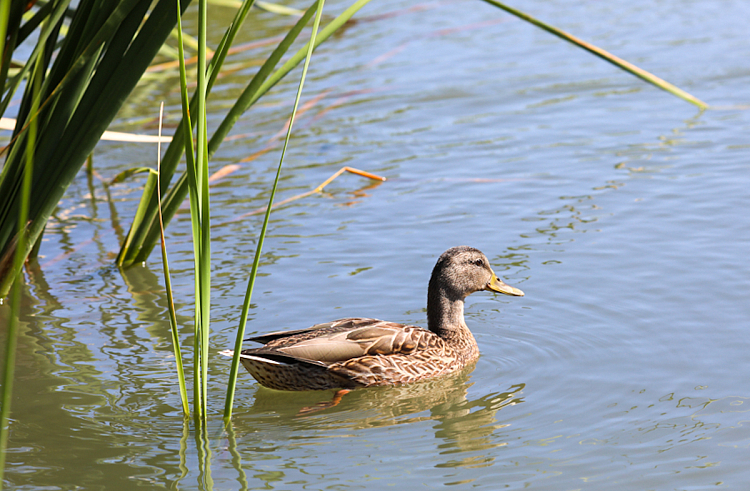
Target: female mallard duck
[[358, 352]]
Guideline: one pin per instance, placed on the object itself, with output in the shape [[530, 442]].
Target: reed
[[168, 286], [605, 55], [143, 236], [197, 155], [147, 227], [88, 69], [198, 150], [200, 217]]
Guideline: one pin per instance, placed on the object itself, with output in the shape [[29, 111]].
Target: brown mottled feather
[[351, 349]]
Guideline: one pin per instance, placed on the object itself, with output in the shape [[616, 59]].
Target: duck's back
[[346, 353]]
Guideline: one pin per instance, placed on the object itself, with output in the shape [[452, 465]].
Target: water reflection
[[202, 443], [465, 427], [236, 457], [380, 406], [469, 426]]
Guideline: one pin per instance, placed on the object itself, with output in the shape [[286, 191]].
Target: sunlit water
[[620, 210]]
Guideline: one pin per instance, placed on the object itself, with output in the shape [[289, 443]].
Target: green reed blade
[[193, 163], [46, 30], [618, 62], [147, 216], [168, 285], [256, 261], [202, 174], [145, 238], [107, 57], [14, 161], [250, 94], [5, 56], [147, 188]]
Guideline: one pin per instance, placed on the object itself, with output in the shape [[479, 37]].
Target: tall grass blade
[[188, 142], [256, 261], [150, 186], [47, 31], [5, 57], [168, 286], [108, 47], [201, 173], [144, 238], [618, 62], [197, 170]]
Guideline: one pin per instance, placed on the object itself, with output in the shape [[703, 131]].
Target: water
[[620, 210]]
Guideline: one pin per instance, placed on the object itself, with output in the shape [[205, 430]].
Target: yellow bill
[[497, 285]]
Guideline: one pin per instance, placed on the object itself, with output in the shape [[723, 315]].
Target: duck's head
[[461, 271]]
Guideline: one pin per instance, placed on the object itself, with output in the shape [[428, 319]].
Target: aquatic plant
[[605, 55], [88, 67]]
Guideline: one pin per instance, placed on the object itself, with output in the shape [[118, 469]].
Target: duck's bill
[[496, 285]]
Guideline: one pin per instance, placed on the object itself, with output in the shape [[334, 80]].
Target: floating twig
[[318, 189]]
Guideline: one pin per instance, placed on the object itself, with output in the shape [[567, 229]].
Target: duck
[[360, 352]]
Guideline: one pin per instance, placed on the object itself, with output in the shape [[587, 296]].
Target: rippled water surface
[[620, 210]]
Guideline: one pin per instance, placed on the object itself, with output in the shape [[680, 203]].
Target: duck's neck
[[445, 317]]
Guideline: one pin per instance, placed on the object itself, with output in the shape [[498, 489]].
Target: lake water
[[620, 210]]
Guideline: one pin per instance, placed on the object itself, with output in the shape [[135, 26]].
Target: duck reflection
[[463, 424]]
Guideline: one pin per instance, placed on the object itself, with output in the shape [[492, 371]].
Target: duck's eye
[[479, 262]]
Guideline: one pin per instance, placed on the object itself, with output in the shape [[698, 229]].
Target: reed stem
[[618, 62]]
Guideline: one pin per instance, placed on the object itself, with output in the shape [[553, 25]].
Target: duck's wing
[[346, 339], [326, 327]]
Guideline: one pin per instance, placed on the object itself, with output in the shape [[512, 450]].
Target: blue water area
[[620, 210]]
